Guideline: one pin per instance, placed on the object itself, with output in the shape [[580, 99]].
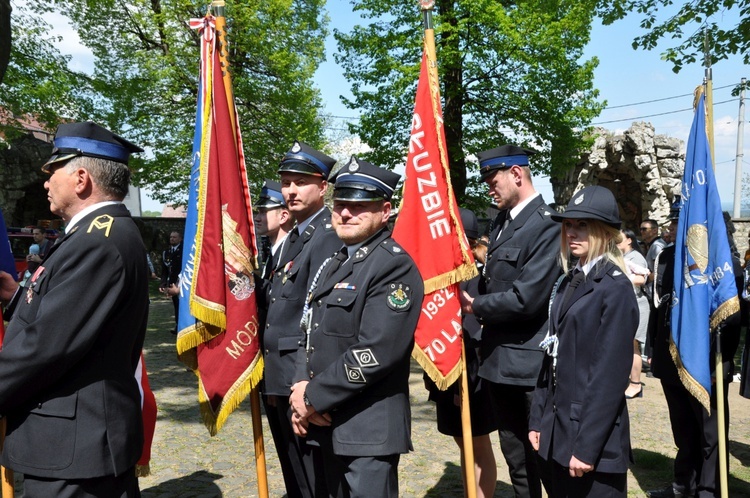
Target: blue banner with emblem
[[704, 286], [186, 322]]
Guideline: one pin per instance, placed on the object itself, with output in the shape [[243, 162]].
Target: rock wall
[[23, 198], [642, 169]]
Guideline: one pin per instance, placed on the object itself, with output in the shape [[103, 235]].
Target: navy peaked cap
[[502, 157], [89, 139], [270, 196], [363, 181], [302, 158]]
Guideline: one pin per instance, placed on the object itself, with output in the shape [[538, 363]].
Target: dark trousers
[[122, 486], [512, 404], [559, 484], [696, 435], [359, 477], [297, 459], [176, 304]]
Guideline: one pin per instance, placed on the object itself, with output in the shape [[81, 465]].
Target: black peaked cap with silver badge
[[592, 203], [359, 180], [302, 158]]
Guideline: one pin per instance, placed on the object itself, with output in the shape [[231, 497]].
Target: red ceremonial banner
[[223, 347], [429, 229]]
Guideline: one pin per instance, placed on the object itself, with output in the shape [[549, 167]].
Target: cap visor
[[58, 158]]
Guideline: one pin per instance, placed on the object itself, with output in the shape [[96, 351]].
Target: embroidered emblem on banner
[[103, 222], [354, 375], [399, 298], [365, 358]]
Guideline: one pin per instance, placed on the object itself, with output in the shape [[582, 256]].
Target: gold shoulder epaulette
[[103, 222]]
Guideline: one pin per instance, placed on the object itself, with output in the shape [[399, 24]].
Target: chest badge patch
[[399, 298]]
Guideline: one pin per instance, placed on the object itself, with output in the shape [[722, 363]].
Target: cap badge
[[353, 166], [296, 148], [578, 200]]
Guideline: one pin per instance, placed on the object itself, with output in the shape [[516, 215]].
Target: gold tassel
[[432, 371]]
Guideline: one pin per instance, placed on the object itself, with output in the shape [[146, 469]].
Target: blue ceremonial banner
[[7, 263], [704, 287], [186, 322]]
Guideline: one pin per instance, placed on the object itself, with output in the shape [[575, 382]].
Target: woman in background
[[579, 419], [638, 272]]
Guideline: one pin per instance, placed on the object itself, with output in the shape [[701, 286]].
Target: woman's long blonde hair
[[603, 240]]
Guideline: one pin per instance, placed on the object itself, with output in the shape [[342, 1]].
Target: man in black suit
[[695, 430], [171, 266], [304, 172], [351, 394], [71, 349], [520, 271]]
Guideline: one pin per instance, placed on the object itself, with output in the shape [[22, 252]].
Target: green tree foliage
[[510, 73], [38, 83], [145, 78], [727, 23]]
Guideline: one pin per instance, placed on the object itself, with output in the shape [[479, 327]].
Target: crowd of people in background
[[567, 312]]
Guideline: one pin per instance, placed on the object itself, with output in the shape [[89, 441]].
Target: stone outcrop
[[642, 169], [23, 198]]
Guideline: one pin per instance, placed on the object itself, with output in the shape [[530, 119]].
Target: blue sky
[[625, 77]]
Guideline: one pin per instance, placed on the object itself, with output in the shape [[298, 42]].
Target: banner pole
[[260, 454], [719, 372], [6, 475], [468, 437]]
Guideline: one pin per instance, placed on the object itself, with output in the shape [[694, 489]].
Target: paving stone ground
[[188, 463]]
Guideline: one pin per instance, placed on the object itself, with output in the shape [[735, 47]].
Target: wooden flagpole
[[260, 455], [6, 475], [719, 361], [468, 442]]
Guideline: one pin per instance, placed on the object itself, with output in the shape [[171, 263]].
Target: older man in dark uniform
[[352, 390], [520, 271], [304, 172], [67, 365]]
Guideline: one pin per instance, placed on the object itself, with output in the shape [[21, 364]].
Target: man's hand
[[8, 286], [534, 439], [297, 400], [578, 468], [466, 303]]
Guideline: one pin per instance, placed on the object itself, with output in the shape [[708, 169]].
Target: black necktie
[[338, 260], [578, 277], [293, 236], [508, 219]]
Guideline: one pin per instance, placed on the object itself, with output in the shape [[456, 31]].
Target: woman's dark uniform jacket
[[291, 279], [520, 271], [68, 361], [364, 317], [586, 415]]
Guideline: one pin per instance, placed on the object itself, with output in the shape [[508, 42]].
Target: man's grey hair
[[111, 177]]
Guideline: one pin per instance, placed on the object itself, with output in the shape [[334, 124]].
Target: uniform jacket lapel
[[295, 248], [516, 223], [586, 286], [347, 268]]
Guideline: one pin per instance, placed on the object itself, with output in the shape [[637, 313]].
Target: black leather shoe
[[667, 492]]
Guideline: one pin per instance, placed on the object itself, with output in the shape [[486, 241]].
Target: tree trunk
[[5, 38]]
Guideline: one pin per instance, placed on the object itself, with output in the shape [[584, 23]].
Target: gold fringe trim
[[191, 337], [432, 371], [207, 312], [693, 386], [466, 271], [724, 311], [214, 421], [142, 470]]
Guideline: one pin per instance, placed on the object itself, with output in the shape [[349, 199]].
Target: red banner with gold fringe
[[429, 229]]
